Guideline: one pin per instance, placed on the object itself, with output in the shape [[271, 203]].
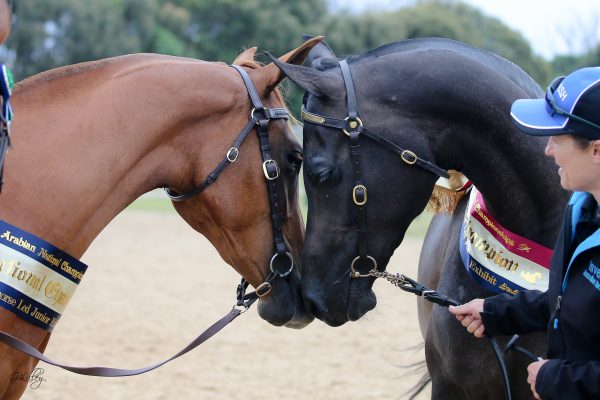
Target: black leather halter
[[353, 127], [259, 119]]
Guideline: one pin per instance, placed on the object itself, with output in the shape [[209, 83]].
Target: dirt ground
[[153, 284]]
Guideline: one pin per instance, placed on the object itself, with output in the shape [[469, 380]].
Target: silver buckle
[[267, 162], [232, 154]]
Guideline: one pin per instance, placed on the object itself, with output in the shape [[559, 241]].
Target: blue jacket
[[569, 310]]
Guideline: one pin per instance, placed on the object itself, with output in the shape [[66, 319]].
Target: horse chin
[[284, 305], [335, 309], [360, 303]]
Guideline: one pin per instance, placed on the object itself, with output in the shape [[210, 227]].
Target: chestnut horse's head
[[247, 216]]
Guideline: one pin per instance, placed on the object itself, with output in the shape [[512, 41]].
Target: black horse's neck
[[460, 100]]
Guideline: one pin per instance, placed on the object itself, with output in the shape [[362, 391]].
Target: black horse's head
[[395, 191]]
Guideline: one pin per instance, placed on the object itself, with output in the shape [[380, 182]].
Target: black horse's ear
[[320, 51], [318, 83]]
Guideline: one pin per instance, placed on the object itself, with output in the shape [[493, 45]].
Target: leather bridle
[[353, 127], [259, 119]]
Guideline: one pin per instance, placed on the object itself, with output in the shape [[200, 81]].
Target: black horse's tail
[[418, 368]]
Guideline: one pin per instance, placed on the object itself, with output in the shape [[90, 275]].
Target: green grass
[[152, 205]]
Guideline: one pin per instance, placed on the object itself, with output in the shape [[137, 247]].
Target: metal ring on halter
[[286, 273], [356, 274], [232, 154], [353, 124], [413, 157], [364, 201], [254, 109], [266, 172]]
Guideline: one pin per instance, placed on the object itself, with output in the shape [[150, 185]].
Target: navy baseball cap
[[571, 107]]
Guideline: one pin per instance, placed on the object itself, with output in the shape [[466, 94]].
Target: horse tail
[[419, 367]]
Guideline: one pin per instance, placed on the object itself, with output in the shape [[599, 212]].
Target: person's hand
[[532, 371], [469, 316]]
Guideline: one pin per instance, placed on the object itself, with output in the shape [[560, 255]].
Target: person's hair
[[582, 142]]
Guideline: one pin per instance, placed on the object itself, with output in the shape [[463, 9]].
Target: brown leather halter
[[259, 118], [353, 127]]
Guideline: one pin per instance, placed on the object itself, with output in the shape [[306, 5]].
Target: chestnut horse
[[89, 139], [410, 111]]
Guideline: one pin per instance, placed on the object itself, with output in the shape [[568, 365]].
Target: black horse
[[448, 104]]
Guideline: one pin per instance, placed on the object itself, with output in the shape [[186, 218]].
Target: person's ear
[[596, 151]]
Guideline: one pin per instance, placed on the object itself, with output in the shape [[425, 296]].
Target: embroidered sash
[[37, 280], [498, 259]]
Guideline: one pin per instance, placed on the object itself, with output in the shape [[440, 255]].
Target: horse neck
[[518, 183], [86, 144]]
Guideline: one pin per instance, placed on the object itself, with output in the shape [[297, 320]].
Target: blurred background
[[545, 38]]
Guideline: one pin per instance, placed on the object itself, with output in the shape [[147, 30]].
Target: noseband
[[352, 126], [259, 118]]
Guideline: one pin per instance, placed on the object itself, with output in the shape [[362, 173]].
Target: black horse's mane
[[491, 60]]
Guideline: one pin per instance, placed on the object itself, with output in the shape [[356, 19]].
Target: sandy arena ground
[[153, 284]]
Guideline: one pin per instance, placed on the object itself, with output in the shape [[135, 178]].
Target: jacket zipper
[[557, 311]]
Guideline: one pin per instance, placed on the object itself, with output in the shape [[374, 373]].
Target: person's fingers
[[480, 331], [467, 320], [474, 325], [458, 310], [460, 317]]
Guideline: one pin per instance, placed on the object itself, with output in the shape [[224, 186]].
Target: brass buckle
[[232, 154], [356, 274], [310, 117], [266, 172], [263, 289], [353, 124], [286, 273], [413, 157], [359, 203]]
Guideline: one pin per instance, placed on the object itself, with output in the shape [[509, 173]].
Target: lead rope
[[410, 285], [244, 301]]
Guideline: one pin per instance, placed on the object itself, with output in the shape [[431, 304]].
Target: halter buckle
[[359, 195], [356, 274], [232, 154], [263, 289], [352, 124], [270, 173], [282, 274], [409, 157]]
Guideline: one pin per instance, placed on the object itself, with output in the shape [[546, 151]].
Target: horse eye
[[295, 159], [325, 175]]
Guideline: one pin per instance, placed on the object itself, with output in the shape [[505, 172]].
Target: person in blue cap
[[570, 309]]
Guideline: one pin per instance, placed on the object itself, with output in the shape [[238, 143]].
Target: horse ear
[[318, 83], [274, 73], [311, 80], [245, 57], [321, 50]]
